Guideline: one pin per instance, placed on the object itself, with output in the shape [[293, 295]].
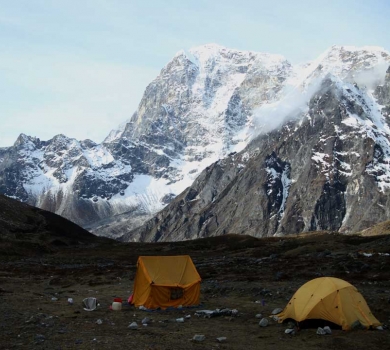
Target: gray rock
[[198, 338], [146, 320], [357, 325], [264, 322], [259, 316], [133, 325], [327, 330], [221, 339], [40, 338], [321, 331], [277, 311]]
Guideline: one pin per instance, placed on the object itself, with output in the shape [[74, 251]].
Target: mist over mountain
[[226, 141]]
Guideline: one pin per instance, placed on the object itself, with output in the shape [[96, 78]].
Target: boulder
[[320, 331], [198, 338], [277, 311], [133, 325], [264, 322]]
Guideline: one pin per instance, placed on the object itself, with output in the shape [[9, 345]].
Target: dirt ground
[[239, 272]]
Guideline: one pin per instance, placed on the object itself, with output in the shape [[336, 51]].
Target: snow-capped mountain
[[325, 168], [206, 104]]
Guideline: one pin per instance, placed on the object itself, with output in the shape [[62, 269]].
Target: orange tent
[[330, 299], [166, 281]]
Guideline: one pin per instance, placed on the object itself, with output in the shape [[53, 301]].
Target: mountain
[[189, 117], [325, 168], [290, 131], [27, 230]]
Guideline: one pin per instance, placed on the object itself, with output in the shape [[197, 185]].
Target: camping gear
[[330, 299], [116, 306], [90, 304], [166, 281]]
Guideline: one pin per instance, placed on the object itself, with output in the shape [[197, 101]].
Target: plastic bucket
[[116, 306]]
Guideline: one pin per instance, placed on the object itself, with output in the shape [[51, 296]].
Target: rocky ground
[[254, 276]]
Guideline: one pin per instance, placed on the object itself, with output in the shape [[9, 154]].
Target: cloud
[[292, 106], [373, 77]]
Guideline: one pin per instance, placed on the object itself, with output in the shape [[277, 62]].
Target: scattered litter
[[180, 320], [70, 301], [259, 316], [90, 304], [142, 308], [216, 312], [116, 306], [54, 299], [198, 338], [99, 321], [188, 316], [289, 331], [379, 328], [221, 339]]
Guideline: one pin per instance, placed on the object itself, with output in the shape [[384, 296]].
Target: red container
[[117, 300]]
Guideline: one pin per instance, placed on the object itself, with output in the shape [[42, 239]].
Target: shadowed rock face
[[321, 171], [328, 155]]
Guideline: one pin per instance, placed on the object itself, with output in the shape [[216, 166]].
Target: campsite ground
[[236, 272]]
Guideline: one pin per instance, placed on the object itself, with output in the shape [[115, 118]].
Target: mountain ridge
[[205, 104]]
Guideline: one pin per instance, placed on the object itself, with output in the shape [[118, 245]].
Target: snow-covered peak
[[116, 133], [377, 50], [25, 140], [204, 54], [363, 65]]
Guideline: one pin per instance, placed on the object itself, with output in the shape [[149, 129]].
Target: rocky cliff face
[[189, 117], [325, 168], [300, 147]]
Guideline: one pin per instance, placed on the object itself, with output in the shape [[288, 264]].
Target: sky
[[80, 67]]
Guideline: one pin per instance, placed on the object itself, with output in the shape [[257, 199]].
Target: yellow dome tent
[[330, 299], [166, 281]]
